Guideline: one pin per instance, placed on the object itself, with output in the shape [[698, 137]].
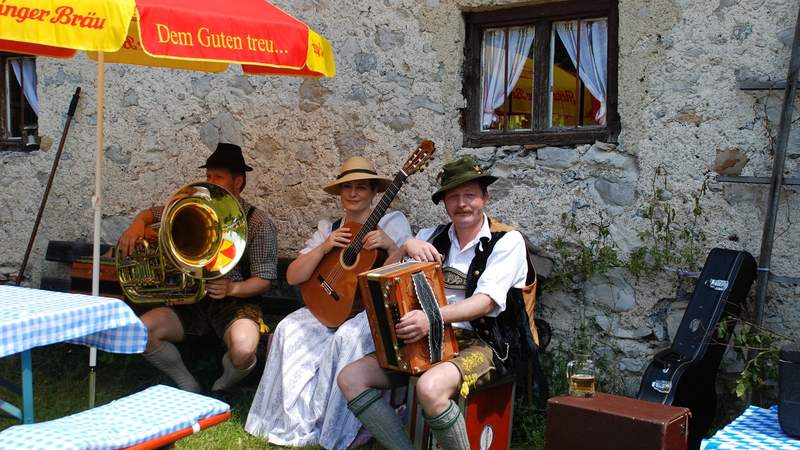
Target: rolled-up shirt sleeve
[[505, 268], [263, 248]]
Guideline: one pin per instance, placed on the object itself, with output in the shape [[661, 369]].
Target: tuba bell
[[202, 236]]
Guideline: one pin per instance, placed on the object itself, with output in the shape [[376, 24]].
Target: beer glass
[[580, 375]]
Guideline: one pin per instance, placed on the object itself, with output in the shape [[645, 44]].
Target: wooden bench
[[279, 301], [152, 418]]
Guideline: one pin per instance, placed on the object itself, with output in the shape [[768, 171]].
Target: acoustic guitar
[[331, 293]]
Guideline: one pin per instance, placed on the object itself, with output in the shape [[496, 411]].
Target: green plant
[[670, 242], [585, 339], [580, 259], [756, 346], [528, 430]]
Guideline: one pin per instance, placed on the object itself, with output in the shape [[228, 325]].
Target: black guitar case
[[685, 374]]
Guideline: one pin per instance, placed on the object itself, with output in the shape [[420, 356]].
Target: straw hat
[[354, 169], [458, 172]]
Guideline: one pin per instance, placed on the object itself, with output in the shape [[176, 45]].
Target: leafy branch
[[757, 346], [670, 243], [579, 260]]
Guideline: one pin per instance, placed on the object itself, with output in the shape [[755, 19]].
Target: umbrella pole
[[98, 205]]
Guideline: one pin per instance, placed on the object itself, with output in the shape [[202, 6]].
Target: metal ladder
[[777, 180]]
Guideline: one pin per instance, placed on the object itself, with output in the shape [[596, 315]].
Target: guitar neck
[[380, 209]]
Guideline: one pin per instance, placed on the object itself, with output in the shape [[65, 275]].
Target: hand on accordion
[[422, 251], [413, 326]]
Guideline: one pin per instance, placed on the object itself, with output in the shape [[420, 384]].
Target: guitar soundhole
[[348, 261]]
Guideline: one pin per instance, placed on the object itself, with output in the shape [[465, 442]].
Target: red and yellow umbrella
[[204, 35]]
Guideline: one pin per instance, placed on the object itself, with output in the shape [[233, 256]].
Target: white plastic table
[[33, 318], [755, 428]]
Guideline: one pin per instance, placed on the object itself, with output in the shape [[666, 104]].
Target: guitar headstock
[[419, 158]]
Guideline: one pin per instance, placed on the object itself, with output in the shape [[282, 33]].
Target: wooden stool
[[488, 412]]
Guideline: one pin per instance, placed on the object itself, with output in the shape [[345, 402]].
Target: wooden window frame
[[542, 17], [8, 143]]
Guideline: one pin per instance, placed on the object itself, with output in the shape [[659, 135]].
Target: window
[[544, 74], [19, 103]]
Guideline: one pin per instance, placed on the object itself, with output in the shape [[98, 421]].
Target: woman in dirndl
[[298, 402]]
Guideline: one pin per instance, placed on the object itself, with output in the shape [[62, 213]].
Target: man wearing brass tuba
[[229, 311]]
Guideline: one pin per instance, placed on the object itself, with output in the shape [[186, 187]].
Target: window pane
[[19, 114], [578, 81], [507, 78], [520, 101]]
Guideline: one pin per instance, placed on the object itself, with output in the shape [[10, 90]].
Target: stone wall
[[399, 80]]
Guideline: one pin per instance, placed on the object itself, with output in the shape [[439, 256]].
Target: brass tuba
[[202, 236]]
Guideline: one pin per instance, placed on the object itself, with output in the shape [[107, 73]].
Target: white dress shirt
[[505, 268]]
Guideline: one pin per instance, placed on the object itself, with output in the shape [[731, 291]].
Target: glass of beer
[[580, 375]]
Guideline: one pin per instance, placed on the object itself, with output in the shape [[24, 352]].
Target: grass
[[61, 388]]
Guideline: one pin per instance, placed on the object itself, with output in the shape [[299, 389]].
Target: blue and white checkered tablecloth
[[32, 317], [756, 428], [157, 411]]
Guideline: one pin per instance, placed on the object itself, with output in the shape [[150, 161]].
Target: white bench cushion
[[137, 418]]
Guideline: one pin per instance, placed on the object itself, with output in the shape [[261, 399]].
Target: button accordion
[[392, 291]]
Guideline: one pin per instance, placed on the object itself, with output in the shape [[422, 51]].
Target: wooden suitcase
[[610, 422]]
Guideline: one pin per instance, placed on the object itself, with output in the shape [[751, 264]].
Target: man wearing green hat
[[484, 272]]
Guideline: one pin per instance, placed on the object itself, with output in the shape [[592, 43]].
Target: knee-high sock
[[230, 375], [380, 419], [167, 359], [449, 428]]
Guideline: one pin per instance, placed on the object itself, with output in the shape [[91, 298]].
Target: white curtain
[[28, 67], [594, 57], [493, 71]]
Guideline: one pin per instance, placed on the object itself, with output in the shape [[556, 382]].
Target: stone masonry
[[399, 81]]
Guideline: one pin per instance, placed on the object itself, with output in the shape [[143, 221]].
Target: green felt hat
[[458, 172]]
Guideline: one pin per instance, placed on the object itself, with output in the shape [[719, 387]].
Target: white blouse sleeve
[[425, 233], [506, 268], [395, 224], [319, 236]]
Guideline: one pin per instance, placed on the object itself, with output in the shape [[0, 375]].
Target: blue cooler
[[789, 387]]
